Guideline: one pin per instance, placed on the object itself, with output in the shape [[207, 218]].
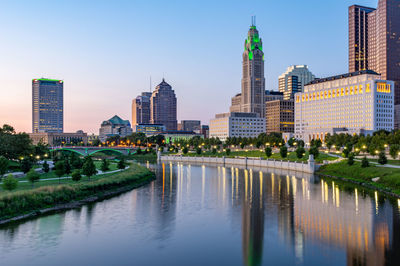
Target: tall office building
[[253, 81], [141, 109], [47, 106], [163, 106], [374, 40], [293, 80]]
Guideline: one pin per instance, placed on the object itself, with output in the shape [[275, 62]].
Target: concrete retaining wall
[[309, 167]]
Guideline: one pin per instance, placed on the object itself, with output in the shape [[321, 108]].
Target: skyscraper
[[253, 81], [141, 109], [374, 40], [163, 106], [47, 105], [293, 80]]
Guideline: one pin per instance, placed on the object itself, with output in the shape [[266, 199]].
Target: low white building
[[236, 124], [353, 103]]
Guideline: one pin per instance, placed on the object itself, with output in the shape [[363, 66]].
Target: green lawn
[[257, 153], [389, 177], [392, 162]]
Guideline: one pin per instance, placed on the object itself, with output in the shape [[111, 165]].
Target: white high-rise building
[[294, 79], [353, 103]]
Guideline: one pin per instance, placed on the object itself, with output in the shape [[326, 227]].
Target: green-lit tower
[[253, 81]]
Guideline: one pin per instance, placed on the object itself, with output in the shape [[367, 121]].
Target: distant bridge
[[85, 151]]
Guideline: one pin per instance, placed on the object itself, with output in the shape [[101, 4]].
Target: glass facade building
[[47, 106]]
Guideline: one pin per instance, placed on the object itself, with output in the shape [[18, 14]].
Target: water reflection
[[197, 214]]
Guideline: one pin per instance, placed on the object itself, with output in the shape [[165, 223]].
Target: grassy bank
[[257, 153], [31, 201], [389, 178]]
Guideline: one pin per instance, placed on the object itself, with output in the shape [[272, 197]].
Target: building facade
[[115, 126], [293, 80], [280, 116], [273, 96], [253, 81], [205, 131], [47, 106], [236, 125], [163, 106], [353, 103], [59, 139], [191, 125], [149, 129], [236, 103], [141, 109]]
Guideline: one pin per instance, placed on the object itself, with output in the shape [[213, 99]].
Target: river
[[209, 215]]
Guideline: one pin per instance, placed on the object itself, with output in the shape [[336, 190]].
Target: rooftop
[[352, 74]]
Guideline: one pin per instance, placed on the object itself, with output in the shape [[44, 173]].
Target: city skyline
[[100, 82]]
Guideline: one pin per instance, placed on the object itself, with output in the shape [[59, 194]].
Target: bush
[[198, 150], [10, 183], [300, 151], [105, 165], [185, 150], [45, 167], [382, 158], [214, 151], [283, 151], [26, 165], [314, 151], [350, 160], [364, 162], [32, 176], [268, 151], [138, 151], [76, 175], [121, 164], [228, 151]]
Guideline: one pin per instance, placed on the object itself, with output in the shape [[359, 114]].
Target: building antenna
[[150, 83]]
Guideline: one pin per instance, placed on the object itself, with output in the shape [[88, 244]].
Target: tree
[[198, 150], [228, 152], [76, 162], [45, 167], [364, 162], [283, 151], [314, 151], [121, 164], [350, 160], [3, 166], [76, 175], [138, 151], [268, 151], [67, 167], [105, 165], [185, 150], [214, 151], [300, 152], [88, 168], [382, 158], [32, 176], [26, 165], [59, 169], [10, 183], [394, 150]]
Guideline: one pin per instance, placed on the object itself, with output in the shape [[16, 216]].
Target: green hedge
[[26, 201]]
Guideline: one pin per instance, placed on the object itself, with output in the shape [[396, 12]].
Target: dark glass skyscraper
[[253, 81], [163, 106], [47, 105], [141, 109]]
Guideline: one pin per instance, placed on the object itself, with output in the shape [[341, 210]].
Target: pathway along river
[[207, 215]]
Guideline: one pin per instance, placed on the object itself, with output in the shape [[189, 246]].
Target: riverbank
[[20, 205], [388, 181]]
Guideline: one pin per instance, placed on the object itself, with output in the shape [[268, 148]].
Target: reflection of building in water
[[252, 217]]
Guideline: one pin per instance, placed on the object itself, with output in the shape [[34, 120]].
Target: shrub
[[105, 165], [121, 164], [32, 176], [214, 151], [76, 175], [300, 151], [185, 150], [26, 165], [382, 158], [45, 167], [350, 160], [10, 183], [138, 151], [364, 162], [283, 151], [198, 150], [228, 151], [268, 151], [314, 151]]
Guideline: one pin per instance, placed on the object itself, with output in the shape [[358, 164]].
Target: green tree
[[10, 183], [214, 151], [314, 151], [76, 175], [121, 164], [364, 162], [67, 166], [45, 167], [32, 176], [283, 151], [185, 150], [138, 151], [268, 151], [382, 158], [394, 150], [3, 166], [59, 169], [198, 150], [228, 151], [105, 165], [350, 160], [88, 168], [300, 152], [26, 165]]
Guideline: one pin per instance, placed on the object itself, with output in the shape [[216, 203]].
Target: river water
[[208, 215]]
